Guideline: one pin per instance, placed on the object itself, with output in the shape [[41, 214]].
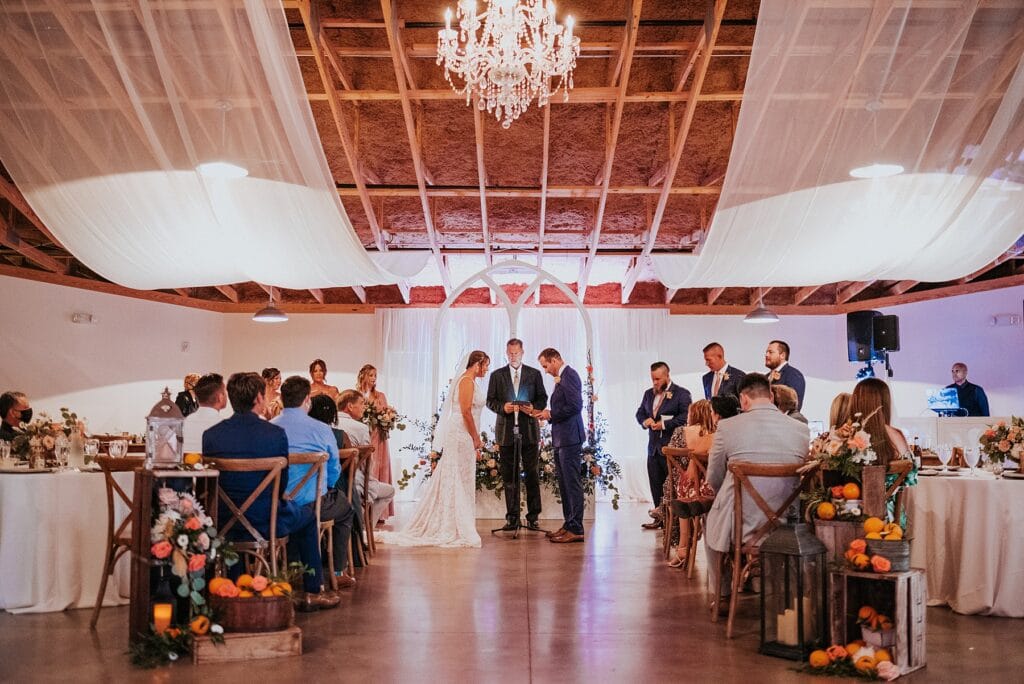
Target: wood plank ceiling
[[631, 165]]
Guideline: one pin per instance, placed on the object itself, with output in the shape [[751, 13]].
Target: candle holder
[[163, 606]]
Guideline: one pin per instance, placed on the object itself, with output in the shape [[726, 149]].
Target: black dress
[[186, 403]]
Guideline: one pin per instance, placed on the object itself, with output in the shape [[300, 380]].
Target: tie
[[515, 381], [717, 385]]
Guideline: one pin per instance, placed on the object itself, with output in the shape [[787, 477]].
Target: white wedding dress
[[446, 514]]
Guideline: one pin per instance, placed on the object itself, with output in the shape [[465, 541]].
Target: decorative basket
[[254, 614], [879, 638], [897, 552]]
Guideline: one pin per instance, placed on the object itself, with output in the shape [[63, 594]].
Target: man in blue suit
[[776, 359], [721, 378], [567, 435], [662, 410], [246, 435]]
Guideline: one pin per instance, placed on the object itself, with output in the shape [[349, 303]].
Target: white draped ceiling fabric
[[936, 88], [107, 110]]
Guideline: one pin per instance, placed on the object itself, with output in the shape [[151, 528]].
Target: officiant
[[515, 392]]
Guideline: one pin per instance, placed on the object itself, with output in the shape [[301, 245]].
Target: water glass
[[91, 449], [971, 456], [5, 455], [944, 452], [63, 452], [118, 448]]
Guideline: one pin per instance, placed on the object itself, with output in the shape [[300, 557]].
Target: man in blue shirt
[[307, 435]]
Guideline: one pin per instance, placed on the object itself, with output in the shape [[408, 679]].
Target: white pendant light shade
[[270, 314], [761, 315]]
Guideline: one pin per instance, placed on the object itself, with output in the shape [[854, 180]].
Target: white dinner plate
[[1013, 475]]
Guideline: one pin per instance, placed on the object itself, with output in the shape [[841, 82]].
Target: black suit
[[500, 389], [187, 404], [790, 377]]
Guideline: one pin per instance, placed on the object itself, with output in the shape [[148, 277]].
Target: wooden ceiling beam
[[394, 41], [703, 50], [804, 292], [9, 238], [901, 287], [713, 295], [13, 195], [429, 50], [542, 225], [583, 95], [549, 191], [670, 294], [228, 291], [998, 261], [318, 295], [850, 291], [182, 291], [632, 29]]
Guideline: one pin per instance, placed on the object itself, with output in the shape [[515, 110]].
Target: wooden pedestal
[[900, 595], [239, 646], [836, 535]]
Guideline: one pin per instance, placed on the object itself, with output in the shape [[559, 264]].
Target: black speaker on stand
[[860, 336]]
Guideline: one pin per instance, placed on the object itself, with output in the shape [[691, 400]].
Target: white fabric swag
[[108, 110], [936, 88]]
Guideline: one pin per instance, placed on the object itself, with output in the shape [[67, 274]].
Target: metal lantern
[[163, 433], [793, 592]]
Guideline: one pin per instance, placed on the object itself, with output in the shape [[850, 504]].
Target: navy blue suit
[[567, 437], [677, 406], [246, 435], [728, 386], [790, 377]]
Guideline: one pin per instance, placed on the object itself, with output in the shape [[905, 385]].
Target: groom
[[567, 435], [518, 383]]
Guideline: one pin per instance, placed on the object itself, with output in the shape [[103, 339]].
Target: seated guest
[[725, 407], [872, 400], [323, 408], [696, 436], [246, 435], [318, 373], [272, 377], [761, 434], [351, 404], [186, 399], [785, 400], [972, 397], [14, 410], [839, 412], [212, 397], [305, 436]]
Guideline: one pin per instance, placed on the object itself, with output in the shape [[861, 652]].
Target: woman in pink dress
[[366, 383]]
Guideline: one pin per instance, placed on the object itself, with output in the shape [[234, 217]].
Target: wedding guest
[[721, 378], [872, 400], [366, 383], [306, 436], [697, 436], [272, 377], [567, 436], [186, 399], [972, 397], [351, 405], [323, 408], [662, 409], [776, 359], [785, 400], [839, 412], [246, 435], [15, 409], [318, 373], [760, 434], [212, 396], [725, 406]]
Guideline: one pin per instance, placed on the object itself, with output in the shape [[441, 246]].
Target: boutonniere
[[774, 375], [668, 395], [725, 376], [558, 379]]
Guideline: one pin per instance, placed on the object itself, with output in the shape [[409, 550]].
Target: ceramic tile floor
[[519, 610]]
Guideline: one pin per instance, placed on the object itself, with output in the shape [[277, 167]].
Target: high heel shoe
[[680, 559]]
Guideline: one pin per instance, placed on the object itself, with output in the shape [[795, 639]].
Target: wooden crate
[[239, 646], [836, 535], [900, 595]]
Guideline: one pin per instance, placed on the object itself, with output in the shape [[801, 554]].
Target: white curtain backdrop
[[108, 110], [626, 343], [936, 88]]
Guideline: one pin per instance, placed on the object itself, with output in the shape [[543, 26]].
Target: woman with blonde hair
[[696, 435], [839, 412], [366, 384]]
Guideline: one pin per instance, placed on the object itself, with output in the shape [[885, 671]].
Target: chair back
[[675, 457], [742, 472], [272, 467], [317, 461], [349, 460], [901, 469], [366, 461], [109, 466]]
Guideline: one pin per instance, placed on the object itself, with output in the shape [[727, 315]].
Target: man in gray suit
[[761, 434]]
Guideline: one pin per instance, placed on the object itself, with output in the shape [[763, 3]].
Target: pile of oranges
[[827, 510], [248, 586], [857, 556], [876, 528], [856, 656]]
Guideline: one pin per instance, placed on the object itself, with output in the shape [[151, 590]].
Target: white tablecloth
[[53, 530], [969, 536]]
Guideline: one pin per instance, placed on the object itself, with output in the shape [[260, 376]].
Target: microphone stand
[[517, 464]]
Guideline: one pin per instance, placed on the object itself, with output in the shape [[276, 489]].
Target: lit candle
[[448, 19], [161, 617]]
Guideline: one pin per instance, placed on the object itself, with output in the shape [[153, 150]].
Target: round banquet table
[[53, 534], [969, 537]]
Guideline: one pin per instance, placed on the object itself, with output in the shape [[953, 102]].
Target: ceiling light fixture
[[270, 314], [508, 54], [761, 314]]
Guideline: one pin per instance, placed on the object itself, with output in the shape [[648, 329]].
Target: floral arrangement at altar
[[1002, 440], [384, 420]]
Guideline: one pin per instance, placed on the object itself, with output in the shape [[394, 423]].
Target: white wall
[[110, 372]]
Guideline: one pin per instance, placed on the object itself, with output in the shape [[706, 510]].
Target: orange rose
[[990, 433], [227, 590], [858, 545], [196, 562], [259, 583], [595, 470], [193, 524], [1004, 445], [880, 564], [836, 652], [837, 492], [162, 549]]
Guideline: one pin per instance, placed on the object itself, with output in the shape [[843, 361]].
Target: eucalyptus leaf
[[198, 584], [197, 598], [183, 590]]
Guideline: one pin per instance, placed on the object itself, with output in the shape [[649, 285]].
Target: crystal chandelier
[[508, 55]]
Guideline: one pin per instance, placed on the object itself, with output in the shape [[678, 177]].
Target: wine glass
[[971, 456], [5, 454], [91, 449], [945, 453], [118, 448]]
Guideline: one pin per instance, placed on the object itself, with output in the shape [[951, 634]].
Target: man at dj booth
[[971, 397]]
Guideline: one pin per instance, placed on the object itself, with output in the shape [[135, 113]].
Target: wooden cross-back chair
[[700, 459], [901, 469], [260, 547], [119, 537], [317, 462], [748, 548], [366, 464], [674, 456], [351, 464]]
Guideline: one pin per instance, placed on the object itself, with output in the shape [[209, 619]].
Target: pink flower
[[196, 562], [186, 506], [203, 541], [887, 671], [167, 496], [1004, 445], [194, 524], [259, 583], [161, 549]]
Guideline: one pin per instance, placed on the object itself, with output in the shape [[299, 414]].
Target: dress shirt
[[195, 425], [307, 435], [358, 432]]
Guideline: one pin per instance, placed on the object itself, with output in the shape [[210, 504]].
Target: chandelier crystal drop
[[508, 55]]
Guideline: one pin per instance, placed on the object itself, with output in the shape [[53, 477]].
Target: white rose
[[216, 629], [172, 656], [588, 457], [183, 540]]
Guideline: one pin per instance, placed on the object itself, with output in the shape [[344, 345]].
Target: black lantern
[[793, 582]]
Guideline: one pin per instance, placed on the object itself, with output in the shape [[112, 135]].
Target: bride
[[446, 515]]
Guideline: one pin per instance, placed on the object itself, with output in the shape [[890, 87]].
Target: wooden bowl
[[254, 614]]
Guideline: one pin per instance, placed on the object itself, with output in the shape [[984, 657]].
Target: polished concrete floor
[[519, 610]]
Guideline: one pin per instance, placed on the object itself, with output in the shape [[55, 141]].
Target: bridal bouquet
[[385, 420], [1001, 441]]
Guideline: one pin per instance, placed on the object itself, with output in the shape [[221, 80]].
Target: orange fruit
[[245, 593], [853, 647], [267, 592], [872, 535], [861, 561], [244, 582], [200, 625], [826, 511], [216, 584], [895, 535], [819, 659], [851, 490], [865, 664], [884, 623], [874, 525], [882, 654], [866, 613], [192, 459], [281, 589]]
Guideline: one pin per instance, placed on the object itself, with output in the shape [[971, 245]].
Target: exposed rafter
[[228, 291], [542, 225], [850, 291], [9, 238]]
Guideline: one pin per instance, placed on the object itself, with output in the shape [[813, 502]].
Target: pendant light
[[270, 314], [761, 314]]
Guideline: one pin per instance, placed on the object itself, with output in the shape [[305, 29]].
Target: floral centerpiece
[[385, 420], [43, 434], [1002, 440], [844, 450]]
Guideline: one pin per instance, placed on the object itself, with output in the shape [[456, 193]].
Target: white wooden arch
[[512, 308]]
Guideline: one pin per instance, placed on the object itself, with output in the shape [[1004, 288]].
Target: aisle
[[514, 611]]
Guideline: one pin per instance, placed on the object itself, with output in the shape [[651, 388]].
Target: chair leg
[[107, 569], [695, 529], [737, 582], [330, 558], [371, 544], [670, 521], [360, 549]]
